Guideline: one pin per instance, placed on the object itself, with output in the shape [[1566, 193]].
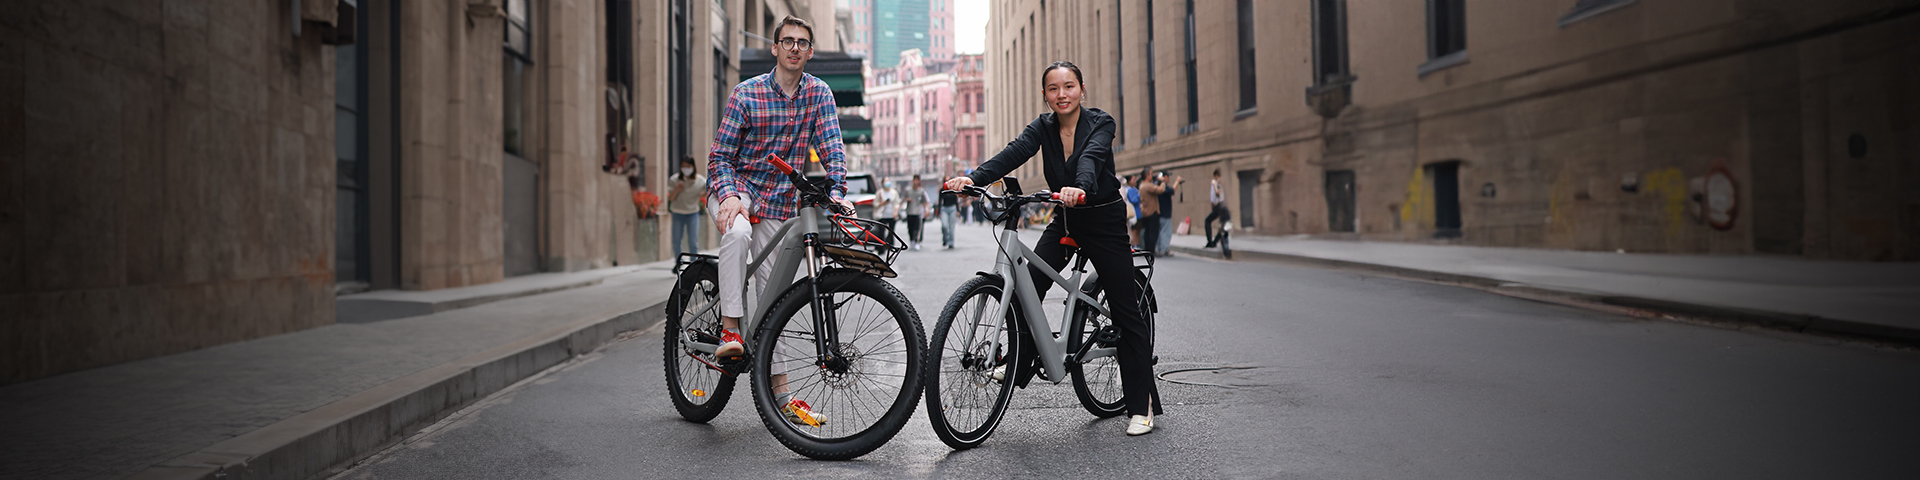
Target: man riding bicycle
[[787, 113]]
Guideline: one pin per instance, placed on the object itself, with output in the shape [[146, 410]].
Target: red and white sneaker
[[730, 345], [800, 413]]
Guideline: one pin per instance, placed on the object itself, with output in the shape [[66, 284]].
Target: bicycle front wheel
[[971, 343], [853, 407], [1097, 382]]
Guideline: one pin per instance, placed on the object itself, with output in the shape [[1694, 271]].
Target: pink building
[[913, 112], [970, 98]]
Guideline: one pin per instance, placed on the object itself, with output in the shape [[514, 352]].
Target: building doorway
[[519, 175], [351, 268], [1446, 199], [1249, 180], [1340, 201]]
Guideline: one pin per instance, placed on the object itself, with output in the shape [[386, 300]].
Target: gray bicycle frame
[[784, 266], [1012, 265]]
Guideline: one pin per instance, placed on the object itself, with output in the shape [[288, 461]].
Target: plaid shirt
[[759, 121]]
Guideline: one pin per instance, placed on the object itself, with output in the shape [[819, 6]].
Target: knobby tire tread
[[790, 303], [676, 307]]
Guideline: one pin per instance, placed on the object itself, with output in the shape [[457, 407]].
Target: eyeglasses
[[791, 43]]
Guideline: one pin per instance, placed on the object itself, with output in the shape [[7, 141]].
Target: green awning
[[842, 72], [855, 129]]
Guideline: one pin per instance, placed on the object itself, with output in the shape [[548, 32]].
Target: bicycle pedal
[[733, 366]]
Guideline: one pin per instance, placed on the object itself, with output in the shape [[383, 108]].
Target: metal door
[[1340, 201], [1446, 200], [1249, 180]]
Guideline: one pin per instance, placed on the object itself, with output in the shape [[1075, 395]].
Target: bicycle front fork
[[826, 334]]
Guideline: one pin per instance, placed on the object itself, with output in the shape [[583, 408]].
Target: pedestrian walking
[[916, 206], [886, 206], [1150, 209], [1130, 187], [684, 200], [1172, 184], [949, 206], [1217, 201]]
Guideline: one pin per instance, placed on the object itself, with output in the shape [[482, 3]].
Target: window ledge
[[1147, 141], [1444, 62], [1244, 114], [1590, 11]]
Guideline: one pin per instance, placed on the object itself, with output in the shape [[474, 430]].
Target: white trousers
[[737, 247], [734, 257]]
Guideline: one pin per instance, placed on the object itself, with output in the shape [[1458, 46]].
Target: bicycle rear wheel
[[1097, 382], [698, 391], [971, 340], [863, 404]]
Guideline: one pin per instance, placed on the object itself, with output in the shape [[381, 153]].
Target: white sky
[[970, 22]]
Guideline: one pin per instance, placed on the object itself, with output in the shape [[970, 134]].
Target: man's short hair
[[794, 21]]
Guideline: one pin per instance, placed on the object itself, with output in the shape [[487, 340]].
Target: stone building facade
[[1694, 126], [188, 174]]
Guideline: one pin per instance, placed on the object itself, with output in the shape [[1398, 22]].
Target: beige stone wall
[[170, 181], [451, 147], [1555, 118], [589, 216]]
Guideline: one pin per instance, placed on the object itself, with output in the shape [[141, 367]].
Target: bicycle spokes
[[852, 375]]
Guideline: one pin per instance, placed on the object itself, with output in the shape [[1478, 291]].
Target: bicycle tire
[[699, 393], [967, 371], [850, 431], [1095, 387]]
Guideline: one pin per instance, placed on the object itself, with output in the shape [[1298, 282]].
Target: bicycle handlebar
[[807, 188], [1042, 196]]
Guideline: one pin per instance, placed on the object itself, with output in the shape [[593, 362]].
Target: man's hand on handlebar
[[846, 208]]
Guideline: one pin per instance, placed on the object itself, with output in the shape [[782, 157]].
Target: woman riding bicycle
[[1073, 143]]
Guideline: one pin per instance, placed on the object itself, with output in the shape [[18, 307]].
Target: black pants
[[913, 228], [1219, 213], [1149, 232], [1101, 233]]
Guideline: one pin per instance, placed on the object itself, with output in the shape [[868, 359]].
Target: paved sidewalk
[[1879, 300], [292, 405], [391, 304]]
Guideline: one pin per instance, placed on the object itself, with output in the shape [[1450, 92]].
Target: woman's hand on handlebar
[[1071, 196], [957, 184], [846, 208]]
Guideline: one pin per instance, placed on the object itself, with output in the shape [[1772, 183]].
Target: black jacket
[[1090, 169]]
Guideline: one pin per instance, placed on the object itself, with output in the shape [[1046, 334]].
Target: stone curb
[[322, 442], [1801, 323]]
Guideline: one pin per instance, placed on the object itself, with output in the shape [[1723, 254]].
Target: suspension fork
[[826, 328]]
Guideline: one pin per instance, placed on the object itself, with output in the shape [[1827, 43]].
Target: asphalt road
[[1349, 376]]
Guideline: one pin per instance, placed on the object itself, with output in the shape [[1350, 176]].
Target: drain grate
[[1212, 376]]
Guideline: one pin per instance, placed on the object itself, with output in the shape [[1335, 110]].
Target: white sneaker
[[1140, 425], [916, 247]]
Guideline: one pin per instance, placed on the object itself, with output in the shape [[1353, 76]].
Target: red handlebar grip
[[781, 164], [1056, 196]]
